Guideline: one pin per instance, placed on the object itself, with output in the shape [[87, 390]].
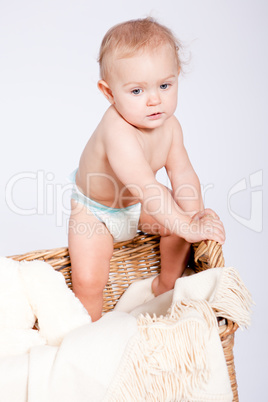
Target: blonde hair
[[125, 39]]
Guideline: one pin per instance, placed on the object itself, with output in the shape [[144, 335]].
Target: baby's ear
[[106, 90]]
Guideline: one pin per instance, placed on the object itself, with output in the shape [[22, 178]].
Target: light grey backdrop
[[49, 106]]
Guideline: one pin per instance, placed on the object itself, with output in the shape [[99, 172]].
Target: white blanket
[[149, 357]]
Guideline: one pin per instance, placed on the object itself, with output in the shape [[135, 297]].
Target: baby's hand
[[205, 225]]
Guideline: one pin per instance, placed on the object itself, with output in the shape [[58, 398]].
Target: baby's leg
[[90, 248], [174, 251]]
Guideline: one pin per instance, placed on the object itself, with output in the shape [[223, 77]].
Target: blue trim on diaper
[[122, 223], [72, 176], [78, 196]]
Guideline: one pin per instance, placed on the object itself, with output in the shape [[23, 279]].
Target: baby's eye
[[136, 91], [164, 86]]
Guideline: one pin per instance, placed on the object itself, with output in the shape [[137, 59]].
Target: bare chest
[[156, 149]]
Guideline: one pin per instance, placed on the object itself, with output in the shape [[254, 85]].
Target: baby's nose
[[153, 99]]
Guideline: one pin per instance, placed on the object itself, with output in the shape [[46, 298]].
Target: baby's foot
[[155, 286], [158, 287]]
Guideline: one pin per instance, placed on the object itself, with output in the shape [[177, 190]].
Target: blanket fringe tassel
[[168, 359], [232, 299]]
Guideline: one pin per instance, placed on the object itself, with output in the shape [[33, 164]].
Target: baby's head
[[139, 67], [131, 37]]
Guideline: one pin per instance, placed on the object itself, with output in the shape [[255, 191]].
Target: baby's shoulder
[[174, 128], [113, 120], [174, 124], [113, 125]]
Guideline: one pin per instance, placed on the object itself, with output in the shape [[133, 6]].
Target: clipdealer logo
[[48, 197], [255, 221]]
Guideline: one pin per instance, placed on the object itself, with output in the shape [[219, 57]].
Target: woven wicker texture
[[138, 259]]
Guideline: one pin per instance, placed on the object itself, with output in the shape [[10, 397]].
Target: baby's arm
[[126, 157], [186, 188], [184, 181]]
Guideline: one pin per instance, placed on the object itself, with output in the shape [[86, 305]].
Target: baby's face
[[145, 87]]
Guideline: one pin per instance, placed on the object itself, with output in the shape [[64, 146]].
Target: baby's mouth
[[155, 115]]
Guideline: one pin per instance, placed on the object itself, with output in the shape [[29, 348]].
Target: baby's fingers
[[210, 212], [205, 212], [213, 229]]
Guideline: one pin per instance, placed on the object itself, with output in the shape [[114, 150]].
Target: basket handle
[[207, 254]]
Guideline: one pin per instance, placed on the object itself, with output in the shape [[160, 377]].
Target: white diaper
[[122, 223]]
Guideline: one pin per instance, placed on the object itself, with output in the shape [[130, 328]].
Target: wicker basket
[[138, 259]]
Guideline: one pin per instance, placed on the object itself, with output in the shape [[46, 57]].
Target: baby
[[115, 190]]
